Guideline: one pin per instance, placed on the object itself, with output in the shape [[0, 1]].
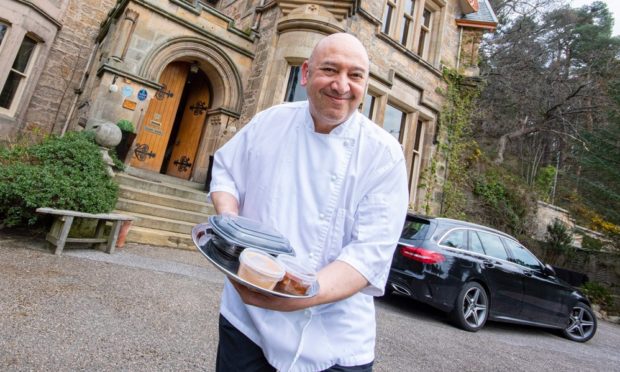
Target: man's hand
[[337, 281]]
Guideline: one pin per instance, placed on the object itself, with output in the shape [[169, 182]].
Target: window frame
[[24, 75], [289, 80], [398, 18]]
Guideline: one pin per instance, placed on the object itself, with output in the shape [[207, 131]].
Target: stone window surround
[[438, 13], [25, 75], [416, 154]]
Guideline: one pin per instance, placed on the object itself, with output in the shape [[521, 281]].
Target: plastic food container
[[259, 268], [297, 278]]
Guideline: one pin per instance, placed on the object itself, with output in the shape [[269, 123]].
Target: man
[[335, 185]]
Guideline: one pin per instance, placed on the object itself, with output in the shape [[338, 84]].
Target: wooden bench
[[63, 219]]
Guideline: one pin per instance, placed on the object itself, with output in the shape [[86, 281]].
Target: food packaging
[[259, 268], [298, 278], [232, 234]]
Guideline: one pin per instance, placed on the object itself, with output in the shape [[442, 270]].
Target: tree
[[548, 75]]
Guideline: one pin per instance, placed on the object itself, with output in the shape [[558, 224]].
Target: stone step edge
[[170, 197], [120, 176], [150, 217], [165, 208]]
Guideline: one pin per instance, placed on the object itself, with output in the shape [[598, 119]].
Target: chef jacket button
[[322, 216], [334, 177]]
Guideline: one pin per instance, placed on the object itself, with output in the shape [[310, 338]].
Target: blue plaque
[[142, 94]]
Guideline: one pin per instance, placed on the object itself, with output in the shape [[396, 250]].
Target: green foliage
[[544, 182], [60, 172], [592, 244], [598, 294], [126, 126], [559, 237], [505, 201], [455, 121]]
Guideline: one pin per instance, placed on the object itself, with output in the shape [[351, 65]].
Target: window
[[412, 24], [414, 229], [475, 245], [407, 25], [368, 107], [416, 158], [455, 239], [425, 32], [294, 90], [387, 16], [522, 256], [18, 72], [3, 29], [493, 245], [394, 122]]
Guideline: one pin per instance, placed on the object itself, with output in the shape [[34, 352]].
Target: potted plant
[[129, 134]]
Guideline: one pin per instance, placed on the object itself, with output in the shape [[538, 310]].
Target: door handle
[[527, 273], [488, 264]]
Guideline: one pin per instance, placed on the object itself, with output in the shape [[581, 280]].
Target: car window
[[414, 229], [475, 244], [455, 239], [521, 255], [492, 245]]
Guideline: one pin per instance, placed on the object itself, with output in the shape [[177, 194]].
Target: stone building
[[190, 73]]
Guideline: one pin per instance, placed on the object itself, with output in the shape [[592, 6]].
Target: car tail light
[[421, 254]]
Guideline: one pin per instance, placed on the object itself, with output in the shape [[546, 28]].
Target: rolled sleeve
[[377, 228]]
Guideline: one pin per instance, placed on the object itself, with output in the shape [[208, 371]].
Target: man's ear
[[305, 71]]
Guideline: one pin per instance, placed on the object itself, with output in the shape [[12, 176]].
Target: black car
[[476, 274]]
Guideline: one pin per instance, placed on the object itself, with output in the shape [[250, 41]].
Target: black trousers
[[237, 353]]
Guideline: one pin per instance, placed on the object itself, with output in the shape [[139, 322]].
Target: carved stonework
[[339, 9]]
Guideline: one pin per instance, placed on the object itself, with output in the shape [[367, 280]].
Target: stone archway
[[226, 85]]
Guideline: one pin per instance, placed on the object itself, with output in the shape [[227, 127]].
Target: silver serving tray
[[202, 234]]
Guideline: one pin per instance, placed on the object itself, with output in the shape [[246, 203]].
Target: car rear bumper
[[420, 287]]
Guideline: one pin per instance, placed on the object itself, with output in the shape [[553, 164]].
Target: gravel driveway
[[156, 309]]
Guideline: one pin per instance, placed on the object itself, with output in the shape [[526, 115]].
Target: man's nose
[[340, 84]]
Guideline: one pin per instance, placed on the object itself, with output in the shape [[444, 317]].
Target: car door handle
[[488, 264], [527, 273]]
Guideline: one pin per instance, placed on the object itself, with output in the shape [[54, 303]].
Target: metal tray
[[202, 234]]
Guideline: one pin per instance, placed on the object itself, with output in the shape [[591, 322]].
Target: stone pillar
[[220, 126], [125, 30]]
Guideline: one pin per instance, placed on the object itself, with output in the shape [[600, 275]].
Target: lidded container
[[259, 268], [298, 278], [232, 234]]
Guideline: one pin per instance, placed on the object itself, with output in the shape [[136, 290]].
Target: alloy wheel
[[581, 324], [475, 307]]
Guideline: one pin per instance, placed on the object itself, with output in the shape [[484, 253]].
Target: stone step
[[160, 223], [163, 178], [153, 198], [177, 191], [144, 235], [156, 210]]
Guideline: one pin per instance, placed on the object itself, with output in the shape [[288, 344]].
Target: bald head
[[341, 41], [335, 77]]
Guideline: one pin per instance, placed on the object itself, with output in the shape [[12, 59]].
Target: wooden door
[[155, 130], [190, 129]]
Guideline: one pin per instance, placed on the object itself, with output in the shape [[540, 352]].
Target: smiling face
[[335, 77]]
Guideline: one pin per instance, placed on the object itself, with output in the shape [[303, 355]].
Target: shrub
[[598, 294], [559, 237], [126, 126], [60, 172]]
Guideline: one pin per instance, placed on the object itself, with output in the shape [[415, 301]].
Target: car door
[[504, 278], [544, 297]]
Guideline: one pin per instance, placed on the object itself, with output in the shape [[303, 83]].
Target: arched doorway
[[170, 133]]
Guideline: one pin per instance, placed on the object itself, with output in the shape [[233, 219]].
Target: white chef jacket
[[337, 196]]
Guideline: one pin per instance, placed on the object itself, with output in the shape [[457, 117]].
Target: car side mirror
[[548, 270]]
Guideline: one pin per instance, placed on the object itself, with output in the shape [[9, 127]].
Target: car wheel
[[581, 323], [472, 307]]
